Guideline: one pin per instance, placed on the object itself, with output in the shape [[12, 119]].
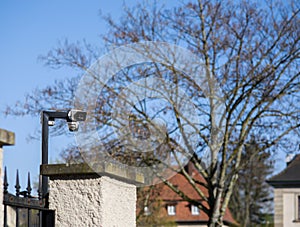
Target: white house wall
[[285, 207]]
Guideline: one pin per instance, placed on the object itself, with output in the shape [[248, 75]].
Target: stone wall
[[81, 197], [119, 203], [76, 201], [86, 201]]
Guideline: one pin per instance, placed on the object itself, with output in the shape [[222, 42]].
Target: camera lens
[[73, 126]]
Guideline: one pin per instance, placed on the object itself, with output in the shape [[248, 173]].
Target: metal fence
[[21, 209]]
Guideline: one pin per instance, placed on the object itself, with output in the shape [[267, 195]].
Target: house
[[286, 186], [180, 211]]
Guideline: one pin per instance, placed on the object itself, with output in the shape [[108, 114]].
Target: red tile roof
[[181, 182], [183, 208]]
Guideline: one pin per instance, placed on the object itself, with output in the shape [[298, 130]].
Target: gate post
[[102, 196], [6, 138]]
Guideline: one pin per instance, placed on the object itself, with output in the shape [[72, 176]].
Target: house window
[[171, 210], [195, 210]]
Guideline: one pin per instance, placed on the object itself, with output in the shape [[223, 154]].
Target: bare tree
[[248, 49], [251, 199]]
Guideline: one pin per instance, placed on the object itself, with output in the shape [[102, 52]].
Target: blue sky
[[29, 29]]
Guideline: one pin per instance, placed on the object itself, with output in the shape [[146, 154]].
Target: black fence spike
[[40, 190], [28, 185], [5, 183], [17, 184]]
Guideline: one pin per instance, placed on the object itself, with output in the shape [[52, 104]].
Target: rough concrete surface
[[92, 201]]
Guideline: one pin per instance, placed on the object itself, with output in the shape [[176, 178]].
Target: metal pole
[[28, 217], [5, 215], [46, 218], [45, 136], [46, 116], [17, 217]]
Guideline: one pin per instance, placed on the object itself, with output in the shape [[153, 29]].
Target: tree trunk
[[214, 218]]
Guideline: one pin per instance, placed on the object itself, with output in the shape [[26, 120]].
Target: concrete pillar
[[80, 197], [6, 138]]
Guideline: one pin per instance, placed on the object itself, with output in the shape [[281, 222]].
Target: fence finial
[[28, 185], [5, 184], [40, 190], [17, 184]]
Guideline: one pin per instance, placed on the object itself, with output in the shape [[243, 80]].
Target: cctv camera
[[76, 115], [73, 126]]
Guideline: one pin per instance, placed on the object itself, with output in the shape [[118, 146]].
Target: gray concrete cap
[[55, 171], [6, 138]]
